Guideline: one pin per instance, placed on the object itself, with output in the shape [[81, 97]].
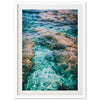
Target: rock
[[58, 46], [63, 87], [69, 16], [27, 56], [28, 63], [64, 48]]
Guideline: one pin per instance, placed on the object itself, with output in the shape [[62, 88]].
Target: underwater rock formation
[[66, 58], [63, 87], [65, 17], [50, 49], [27, 56]]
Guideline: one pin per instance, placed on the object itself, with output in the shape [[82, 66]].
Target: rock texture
[[50, 49], [64, 48], [65, 16], [27, 56]]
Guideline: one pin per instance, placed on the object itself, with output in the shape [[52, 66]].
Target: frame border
[[84, 55]]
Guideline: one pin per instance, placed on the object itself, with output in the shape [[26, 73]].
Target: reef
[[27, 57], [64, 49], [50, 49]]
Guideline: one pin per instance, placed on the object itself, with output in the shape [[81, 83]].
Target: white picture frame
[[81, 93]]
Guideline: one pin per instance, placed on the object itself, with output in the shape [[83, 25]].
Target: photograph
[[50, 49]]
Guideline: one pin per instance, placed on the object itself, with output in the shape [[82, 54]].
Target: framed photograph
[[51, 44]]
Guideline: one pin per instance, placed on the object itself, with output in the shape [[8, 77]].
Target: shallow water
[[45, 72]]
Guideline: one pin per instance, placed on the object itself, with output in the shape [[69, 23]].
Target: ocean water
[[50, 50]]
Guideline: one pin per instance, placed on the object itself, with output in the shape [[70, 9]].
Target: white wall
[[7, 49]]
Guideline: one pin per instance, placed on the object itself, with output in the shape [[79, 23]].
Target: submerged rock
[[64, 48], [61, 16], [50, 50], [63, 87], [27, 57]]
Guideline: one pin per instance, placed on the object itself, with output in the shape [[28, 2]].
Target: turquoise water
[[46, 74]]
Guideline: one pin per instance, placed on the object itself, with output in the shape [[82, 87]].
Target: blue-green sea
[[49, 49]]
